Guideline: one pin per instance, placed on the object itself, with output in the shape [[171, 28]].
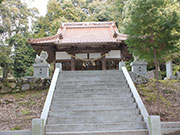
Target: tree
[[99, 10], [58, 12], [72, 11], [122, 12], [14, 17], [14, 28], [5, 59], [23, 56], [152, 32]]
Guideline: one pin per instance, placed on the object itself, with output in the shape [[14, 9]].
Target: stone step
[[92, 82], [95, 127], [86, 85], [91, 78], [94, 102], [60, 86], [107, 85], [91, 72], [86, 112], [166, 125], [115, 99], [90, 102], [92, 90], [95, 76], [92, 120], [170, 131], [94, 113], [97, 95], [93, 107], [117, 132]]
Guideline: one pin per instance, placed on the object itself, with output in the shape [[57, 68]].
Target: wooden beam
[[103, 62], [72, 63]]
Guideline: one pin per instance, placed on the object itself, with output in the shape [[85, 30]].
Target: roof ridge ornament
[[60, 36]]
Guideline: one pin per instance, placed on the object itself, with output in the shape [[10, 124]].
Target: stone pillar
[[121, 64], [154, 125], [37, 127], [139, 67], [41, 70], [59, 65], [169, 71]]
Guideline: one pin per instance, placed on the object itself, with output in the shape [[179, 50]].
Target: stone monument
[[139, 66], [41, 67], [169, 71]]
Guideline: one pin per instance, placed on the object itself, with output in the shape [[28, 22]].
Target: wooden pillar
[[72, 63], [103, 62], [54, 60], [121, 53]]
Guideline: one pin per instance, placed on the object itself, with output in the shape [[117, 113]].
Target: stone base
[[139, 67], [170, 78], [41, 70]]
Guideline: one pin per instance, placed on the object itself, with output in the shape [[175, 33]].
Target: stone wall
[[23, 84], [138, 79]]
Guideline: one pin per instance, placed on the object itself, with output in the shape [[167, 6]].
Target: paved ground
[[175, 133]]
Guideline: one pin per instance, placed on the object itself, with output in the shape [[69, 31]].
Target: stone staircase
[[94, 102]]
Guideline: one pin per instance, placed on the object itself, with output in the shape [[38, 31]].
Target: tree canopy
[[14, 27], [152, 26], [153, 32], [71, 11]]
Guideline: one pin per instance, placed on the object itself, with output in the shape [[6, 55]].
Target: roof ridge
[[86, 23]]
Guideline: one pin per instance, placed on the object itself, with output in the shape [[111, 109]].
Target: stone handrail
[[49, 97], [134, 92]]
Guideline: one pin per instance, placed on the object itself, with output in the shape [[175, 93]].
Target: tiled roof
[[84, 32]]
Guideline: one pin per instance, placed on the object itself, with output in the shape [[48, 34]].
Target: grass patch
[[16, 128], [28, 103], [19, 95], [38, 94], [25, 112]]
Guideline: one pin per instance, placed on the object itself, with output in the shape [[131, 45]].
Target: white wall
[[62, 56], [114, 54]]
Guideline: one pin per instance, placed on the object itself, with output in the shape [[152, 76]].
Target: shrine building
[[85, 46]]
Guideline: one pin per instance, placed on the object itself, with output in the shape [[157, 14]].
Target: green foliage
[[25, 112], [99, 10], [71, 11], [23, 56], [16, 128], [5, 59], [122, 12], [1, 71], [151, 27], [29, 71], [14, 16], [14, 33]]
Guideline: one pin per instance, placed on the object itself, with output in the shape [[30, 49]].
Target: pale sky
[[41, 5]]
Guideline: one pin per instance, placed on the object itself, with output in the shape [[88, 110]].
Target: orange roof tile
[[84, 32]]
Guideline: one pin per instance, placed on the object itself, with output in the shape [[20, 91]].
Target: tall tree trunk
[[157, 79], [5, 71]]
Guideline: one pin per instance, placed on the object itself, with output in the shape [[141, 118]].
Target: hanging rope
[[86, 61]]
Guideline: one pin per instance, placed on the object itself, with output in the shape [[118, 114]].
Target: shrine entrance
[[80, 65], [85, 46]]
